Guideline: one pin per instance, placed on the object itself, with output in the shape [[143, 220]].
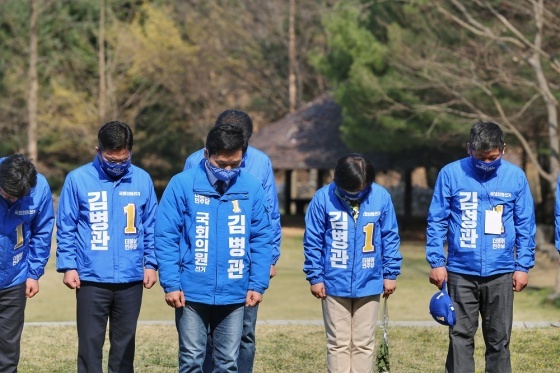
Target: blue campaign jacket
[[25, 235], [557, 217], [105, 228], [458, 214], [257, 164], [351, 258], [214, 248]]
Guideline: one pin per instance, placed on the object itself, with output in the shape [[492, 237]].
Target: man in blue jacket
[[105, 236], [482, 207], [26, 224], [213, 241], [257, 164]]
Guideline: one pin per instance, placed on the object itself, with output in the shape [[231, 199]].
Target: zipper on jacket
[[111, 217], [353, 290], [216, 271], [349, 212]]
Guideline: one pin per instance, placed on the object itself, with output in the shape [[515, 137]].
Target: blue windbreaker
[[25, 235], [351, 258], [105, 228], [458, 213], [214, 248], [257, 164], [557, 217]]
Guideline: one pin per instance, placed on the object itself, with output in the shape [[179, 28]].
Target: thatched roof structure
[[307, 138]]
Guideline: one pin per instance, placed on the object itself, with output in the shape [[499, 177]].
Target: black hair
[[486, 136], [353, 172], [115, 135], [17, 175], [236, 118], [228, 138]]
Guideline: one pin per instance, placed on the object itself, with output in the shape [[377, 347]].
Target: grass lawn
[[301, 348], [292, 349]]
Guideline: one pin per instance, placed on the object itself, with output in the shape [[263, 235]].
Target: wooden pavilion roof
[[307, 138]]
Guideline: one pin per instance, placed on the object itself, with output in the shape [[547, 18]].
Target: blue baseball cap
[[441, 307]]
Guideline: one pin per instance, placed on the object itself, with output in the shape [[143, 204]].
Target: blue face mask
[[115, 170], [485, 168], [222, 173], [353, 196]]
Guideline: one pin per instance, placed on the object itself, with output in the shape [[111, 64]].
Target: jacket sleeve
[[525, 227], [169, 223], [314, 240], [391, 241], [438, 221], [67, 226], [149, 223], [557, 217], [41, 235], [269, 185], [260, 240]]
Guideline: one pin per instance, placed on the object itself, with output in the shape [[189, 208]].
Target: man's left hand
[[253, 298], [150, 277], [389, 287], [31, 287], [520, 280]]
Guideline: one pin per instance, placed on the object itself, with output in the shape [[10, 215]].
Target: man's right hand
[[71, 279], [175, 299], [437, 276]]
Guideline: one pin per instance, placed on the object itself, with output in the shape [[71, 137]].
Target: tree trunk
[[32, 99], [551, 109], [102, 83], [549, 99], [292, 55], [407, 198]]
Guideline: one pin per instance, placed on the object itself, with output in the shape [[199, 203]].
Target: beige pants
[[350, 328]]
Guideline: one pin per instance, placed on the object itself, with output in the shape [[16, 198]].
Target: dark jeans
[[247, 348], [248, 345], [97, 303], [492, 298], [12, 307]]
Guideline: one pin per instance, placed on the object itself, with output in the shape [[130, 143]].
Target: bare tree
[[32, 100], [102, 82], [293, 60], [521, 48], [500, 66]]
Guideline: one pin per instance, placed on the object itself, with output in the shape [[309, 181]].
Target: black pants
[[12, 307], [97, 303], [492, 299]]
